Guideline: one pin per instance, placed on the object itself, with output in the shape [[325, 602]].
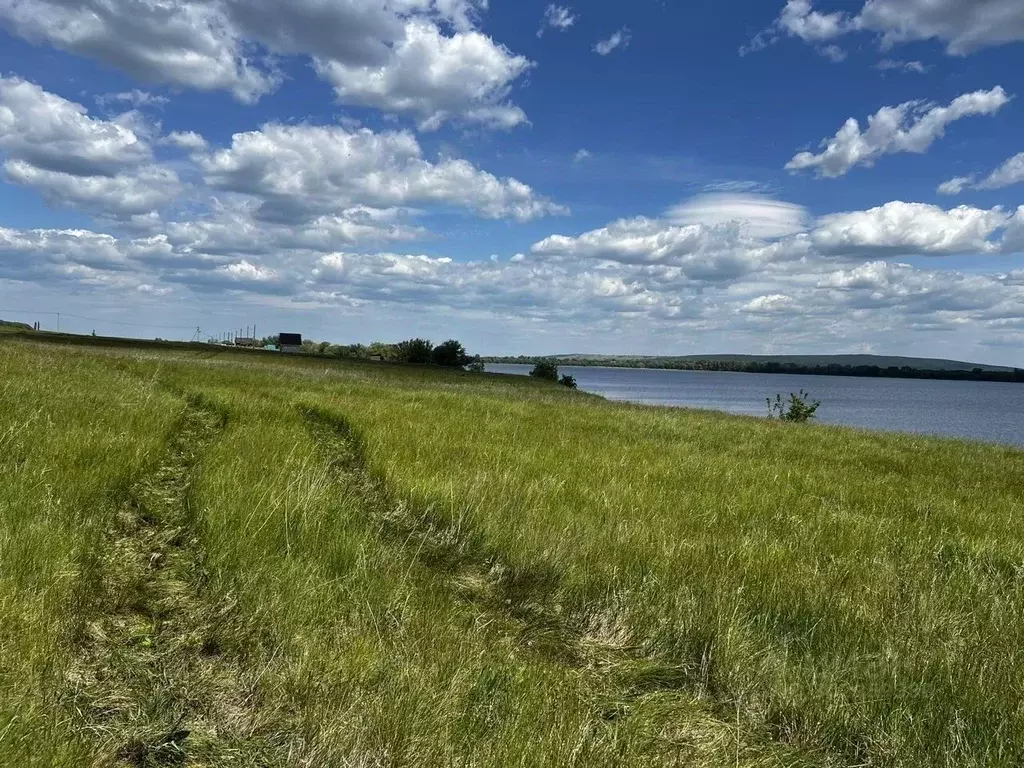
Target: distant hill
[[882, 361], [886, 366]]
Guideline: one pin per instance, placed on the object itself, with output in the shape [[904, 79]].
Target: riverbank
[[367, 564], [989, 411]]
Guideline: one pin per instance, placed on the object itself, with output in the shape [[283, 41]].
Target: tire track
[[523, 599], [151, 685]]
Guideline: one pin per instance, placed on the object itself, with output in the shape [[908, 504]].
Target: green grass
[[73, 433], [376, 565]]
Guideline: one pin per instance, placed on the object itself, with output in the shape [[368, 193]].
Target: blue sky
[[648, 177]]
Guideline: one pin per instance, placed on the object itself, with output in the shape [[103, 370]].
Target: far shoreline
[[712, 365]]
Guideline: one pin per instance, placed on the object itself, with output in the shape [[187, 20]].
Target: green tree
[[476, 365], [545, 369], [353, 350], [451, 354], [418, 351]]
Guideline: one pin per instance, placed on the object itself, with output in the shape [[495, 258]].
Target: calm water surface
[[991, 411]]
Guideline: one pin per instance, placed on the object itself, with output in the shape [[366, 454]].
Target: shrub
[[568, 381], [451, 354], [798, 408], [545, 369], [476, 365]]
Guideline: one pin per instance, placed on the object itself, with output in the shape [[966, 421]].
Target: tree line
[[753, 366], [449, 354]]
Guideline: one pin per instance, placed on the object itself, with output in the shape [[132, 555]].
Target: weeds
[[799, 408]]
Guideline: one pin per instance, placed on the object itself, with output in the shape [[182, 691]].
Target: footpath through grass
[[368, 565]]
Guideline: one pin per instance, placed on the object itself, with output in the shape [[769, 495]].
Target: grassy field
[[216, 558]]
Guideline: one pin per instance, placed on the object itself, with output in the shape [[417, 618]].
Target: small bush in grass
[[568, 381], [545, 369], [798, 408]]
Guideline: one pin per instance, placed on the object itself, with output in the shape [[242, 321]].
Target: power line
[[99, 320], [228, 336]]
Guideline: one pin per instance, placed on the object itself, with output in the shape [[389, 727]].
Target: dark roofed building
[[290, 342]]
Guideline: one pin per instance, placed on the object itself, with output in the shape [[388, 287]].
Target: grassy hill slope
[[7, 326], [224, 558]]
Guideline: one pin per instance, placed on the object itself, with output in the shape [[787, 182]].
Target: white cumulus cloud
[[57, 134], [963, 26], [187, 140], [911, 228], [836, 285], [53, 145], [435, 78], [1010, 172], [388, 54], [186, 43], [301, 172], [121, 195], [909, 127], [776, 302]]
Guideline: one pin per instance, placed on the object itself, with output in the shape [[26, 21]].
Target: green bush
[[798, 408], [545, 369], [568, 381]]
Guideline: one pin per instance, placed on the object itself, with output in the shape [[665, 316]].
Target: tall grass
[[737, 591], [851, 590], [371, 657], [73, 433]]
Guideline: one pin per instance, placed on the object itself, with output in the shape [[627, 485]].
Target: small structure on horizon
[[245, 341], [290, 342]]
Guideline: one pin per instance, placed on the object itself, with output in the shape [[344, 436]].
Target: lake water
[[977, 410]]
